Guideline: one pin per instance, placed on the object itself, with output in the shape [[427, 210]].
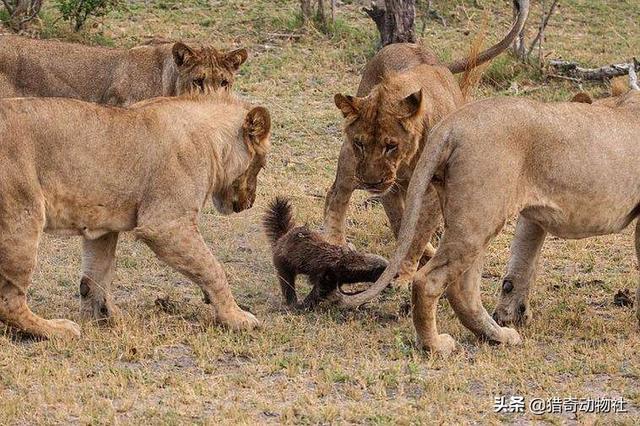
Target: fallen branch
[[633, 77], [572, 69]]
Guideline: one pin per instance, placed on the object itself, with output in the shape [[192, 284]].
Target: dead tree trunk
[[394, 19], [21, 12]]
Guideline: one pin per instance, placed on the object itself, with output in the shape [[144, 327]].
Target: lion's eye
[[390, 147], [224, 83], [199, 82]]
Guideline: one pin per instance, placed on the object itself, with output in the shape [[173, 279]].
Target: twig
[[539, 39]]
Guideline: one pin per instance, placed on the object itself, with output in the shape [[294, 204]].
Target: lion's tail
[[278, 219]]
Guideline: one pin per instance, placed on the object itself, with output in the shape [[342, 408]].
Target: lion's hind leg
[[19, 235], [464, 297]]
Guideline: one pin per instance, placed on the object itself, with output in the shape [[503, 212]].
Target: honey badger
[[299, 250]]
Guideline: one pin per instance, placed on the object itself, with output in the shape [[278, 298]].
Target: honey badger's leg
[[637, 237], [98, 267], [287, 279], [179, 244], [21, 225], [321, 287], [337, 199], [513, 306], [464, 297]]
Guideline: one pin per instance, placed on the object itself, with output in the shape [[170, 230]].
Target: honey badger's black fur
[[298, 250]]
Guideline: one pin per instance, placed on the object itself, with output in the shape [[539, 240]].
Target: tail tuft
[[473, 72], [278, 219]]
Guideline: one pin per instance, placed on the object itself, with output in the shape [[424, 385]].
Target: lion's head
[[384, 130], [241, 193], [205, 70]]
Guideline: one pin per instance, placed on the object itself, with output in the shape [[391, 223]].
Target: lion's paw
[[239, 320], [443, 345], [513, 313], [101, 311], [65, 329], [509, 336]]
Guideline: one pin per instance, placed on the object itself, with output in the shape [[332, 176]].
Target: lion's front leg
[[393, 203], [420, 249], [338, 197], [180, 245], [98, 267], [513, 306]]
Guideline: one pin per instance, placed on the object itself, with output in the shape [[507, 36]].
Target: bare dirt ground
[[173, 366]]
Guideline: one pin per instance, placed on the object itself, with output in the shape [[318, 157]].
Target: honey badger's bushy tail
[[278, 219]]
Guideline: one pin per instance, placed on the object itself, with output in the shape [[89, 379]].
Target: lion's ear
[[182, 54], [349, 105], [583, 98], [236, 58], [412, 105], [257, 125]]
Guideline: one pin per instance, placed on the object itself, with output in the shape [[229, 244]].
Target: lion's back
[[393, 58]]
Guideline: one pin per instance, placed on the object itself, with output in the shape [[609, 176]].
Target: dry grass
[[331, 365]]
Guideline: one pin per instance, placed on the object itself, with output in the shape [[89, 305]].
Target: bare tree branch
[[539, 39]]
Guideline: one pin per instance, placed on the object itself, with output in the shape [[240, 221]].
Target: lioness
[[502, 156], [76, 168], [403, 93], [112, 76], [513, 306]]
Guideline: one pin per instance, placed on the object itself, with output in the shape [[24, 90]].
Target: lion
[[513, 306], [75, 168], [117, 77], [501, 156], [403, 93]]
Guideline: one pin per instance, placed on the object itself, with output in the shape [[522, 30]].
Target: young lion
[[569, 169], [76, 168], [116, 77], [403, 93]]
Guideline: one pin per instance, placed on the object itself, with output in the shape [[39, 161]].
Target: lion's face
[[241, 194], [383, 134], [205, 70]]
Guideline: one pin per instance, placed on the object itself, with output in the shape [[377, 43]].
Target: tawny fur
[[116, 77], [76, 168], [301, 251], [403, 93], [569, 169]]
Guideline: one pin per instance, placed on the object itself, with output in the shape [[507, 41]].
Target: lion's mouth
[[377, 188]]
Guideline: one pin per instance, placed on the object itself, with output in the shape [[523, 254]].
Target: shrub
[[76, 12], [21, 12]]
